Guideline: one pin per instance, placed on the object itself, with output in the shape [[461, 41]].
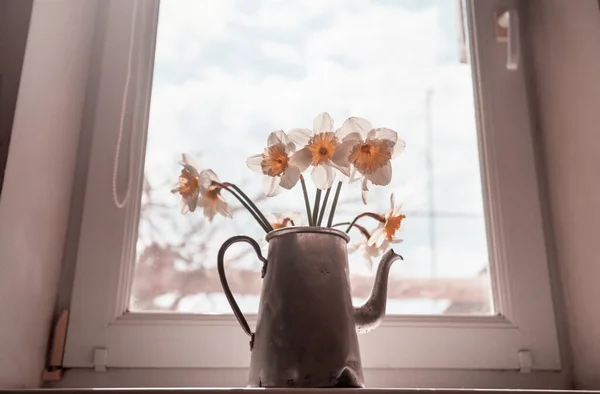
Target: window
[[207, 75], [405, 66]]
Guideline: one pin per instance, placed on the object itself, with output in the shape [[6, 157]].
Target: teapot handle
[[234, 306]]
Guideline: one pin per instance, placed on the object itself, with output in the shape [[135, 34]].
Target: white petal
[[253, 163], [354, 247], [300, 137], [271, 185], [383, 134], [354, 175], [399, 148], [192, 202], [290, 177], [342, 151], [382, 176], [344, 170], [187, 160], [184, 207], [355, 125], [323, 176], [322, 123], [205, 179], [352, 137], [204, 182], [344, 178], [377, 238], [364, 191], [212, 175], [392, 203], [188, 163], [301, 159], [278, 137], [210, 209], [223, 208], [397, 210], [273, 217], [384, 246], [374, 251]]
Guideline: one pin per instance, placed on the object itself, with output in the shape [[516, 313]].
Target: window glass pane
[[229, 72]]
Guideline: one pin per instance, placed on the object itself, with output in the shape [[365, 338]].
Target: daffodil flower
[[275, 164], [281, 220], [200, 188], [369, 152], [387, 230], [321, 149], [210, 198], [188, 185], [369, 252]]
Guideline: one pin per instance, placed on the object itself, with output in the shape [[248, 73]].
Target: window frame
[[99, 316]]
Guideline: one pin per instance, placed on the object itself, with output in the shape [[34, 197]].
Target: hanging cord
[[118, 203]]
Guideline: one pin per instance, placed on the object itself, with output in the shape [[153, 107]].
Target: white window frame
[[99, 317]]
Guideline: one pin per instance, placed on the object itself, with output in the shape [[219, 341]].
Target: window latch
[[507, 31], [525, 361], [100, 359]]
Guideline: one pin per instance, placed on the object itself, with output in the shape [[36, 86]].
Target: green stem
[[334, 204], [322, 213], [260, 222], [258, 212], [363, 230], [306, 202], [375, 216], [315, 213]]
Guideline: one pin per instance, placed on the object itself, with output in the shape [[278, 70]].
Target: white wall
[[566, 54], [35, 199]]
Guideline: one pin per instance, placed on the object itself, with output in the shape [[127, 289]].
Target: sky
[[229, 72]]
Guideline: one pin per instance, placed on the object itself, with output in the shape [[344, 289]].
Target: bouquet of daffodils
[[355, 151]]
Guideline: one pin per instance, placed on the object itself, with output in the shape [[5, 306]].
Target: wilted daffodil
[[210, 198], [200, 188], [369, 252], [280, 220], [387, 229], [320, 150], [275, 164], [188, 185], [370, 152]]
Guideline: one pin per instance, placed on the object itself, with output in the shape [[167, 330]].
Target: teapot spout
[[368, 316]]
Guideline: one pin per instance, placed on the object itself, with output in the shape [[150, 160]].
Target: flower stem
[[315, 213], [363, 230], [322, 213], [256, 210], [286, 221], [256, 217], [306, 202], [334, 204], [375, 216]]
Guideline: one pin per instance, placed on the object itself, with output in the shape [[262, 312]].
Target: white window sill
[[287, 390], [375, 379]]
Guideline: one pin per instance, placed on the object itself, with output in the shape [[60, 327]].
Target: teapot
[[306, 330]]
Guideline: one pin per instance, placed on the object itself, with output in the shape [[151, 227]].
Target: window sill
[[202, 378], [284, 390]]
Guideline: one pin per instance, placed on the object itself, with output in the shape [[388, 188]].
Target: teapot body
[[305, 334]]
